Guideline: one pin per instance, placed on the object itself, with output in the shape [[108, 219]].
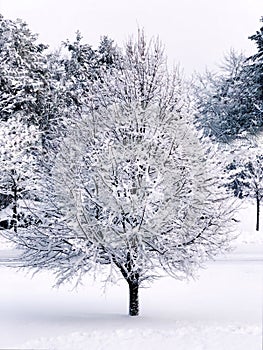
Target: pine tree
[[255, 70], [226, 104], [22, 69]]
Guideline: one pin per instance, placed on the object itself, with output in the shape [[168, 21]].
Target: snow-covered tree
[[85, 65], [132, 187], [47, 88], [255, 71], [245, 174], [33, 83], [19, 174], [22, 68], [227, 108], [229, 103], [140, 74]]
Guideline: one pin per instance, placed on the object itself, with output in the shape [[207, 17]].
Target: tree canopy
[[131, 185]]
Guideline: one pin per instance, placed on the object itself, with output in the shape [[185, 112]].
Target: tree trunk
[[14, 219], [258, 212], [134, 298], [132, 278]]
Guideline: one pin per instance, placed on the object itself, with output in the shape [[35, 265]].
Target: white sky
[[196, 33]]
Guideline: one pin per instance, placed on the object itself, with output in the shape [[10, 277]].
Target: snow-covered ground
[[222, 310]]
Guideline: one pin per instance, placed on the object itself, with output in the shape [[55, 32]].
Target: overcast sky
[[196, 33]]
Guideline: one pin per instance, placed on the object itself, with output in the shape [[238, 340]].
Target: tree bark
[[258, 212], [134, 298]]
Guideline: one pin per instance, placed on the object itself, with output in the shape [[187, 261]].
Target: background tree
[[31, 81], [131, 187], [19, 174], [23, 68], [255, 69], [229, 103], [226, 104], [229, 108], [245, 174], [84, 65], [32, 97], [47, 88]]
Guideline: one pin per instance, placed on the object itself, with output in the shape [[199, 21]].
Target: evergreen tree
[[245, 174], [255, 69], [32, 82], [230, 103], [23, 69], [86, 65], [226, 104]]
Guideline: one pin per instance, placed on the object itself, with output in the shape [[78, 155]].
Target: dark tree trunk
[[134, 298], [258, 212], [14, 219], [132, 278]]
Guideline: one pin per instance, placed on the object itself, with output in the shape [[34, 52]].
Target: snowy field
[[222, 310]]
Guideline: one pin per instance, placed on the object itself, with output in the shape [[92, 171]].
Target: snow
[[220, 310]]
